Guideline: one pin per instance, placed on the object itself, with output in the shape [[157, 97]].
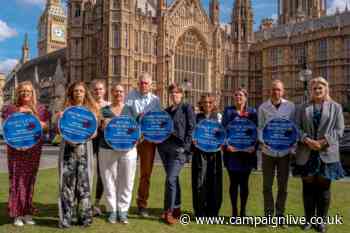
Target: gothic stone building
[[117, 40], [177, 41]]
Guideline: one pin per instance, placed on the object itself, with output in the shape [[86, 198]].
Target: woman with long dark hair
[[75, 166]]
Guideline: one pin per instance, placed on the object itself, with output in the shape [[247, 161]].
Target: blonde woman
[[75, 166], [23, 164], [321, 124]]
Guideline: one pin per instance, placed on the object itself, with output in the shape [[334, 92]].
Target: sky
[[18, 17]]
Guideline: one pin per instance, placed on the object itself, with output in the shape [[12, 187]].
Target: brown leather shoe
[[169, 218], [177, 213]]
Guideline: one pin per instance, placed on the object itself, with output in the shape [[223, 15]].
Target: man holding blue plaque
[[142, 101], [275, 107]]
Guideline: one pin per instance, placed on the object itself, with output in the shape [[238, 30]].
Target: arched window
[[191, 64]]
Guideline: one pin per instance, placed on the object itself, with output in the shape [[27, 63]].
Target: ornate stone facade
[[117, 40]]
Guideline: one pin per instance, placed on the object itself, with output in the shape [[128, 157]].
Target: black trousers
[[206, 183], [239, 181], [316, 196], [99, 184]]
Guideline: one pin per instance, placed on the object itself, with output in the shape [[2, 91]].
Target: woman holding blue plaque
[[23, 163], [75, 165], [117, 167], [239, 164], [174, 152], [207, 167], [321, 124]]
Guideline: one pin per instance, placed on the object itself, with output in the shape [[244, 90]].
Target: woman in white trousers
[[117, 167]]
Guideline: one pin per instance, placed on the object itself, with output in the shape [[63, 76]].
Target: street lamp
[[304, 76], [186, 86]]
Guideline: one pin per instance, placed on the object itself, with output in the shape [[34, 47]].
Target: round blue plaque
[[241, 134], [122, 133], [157, 126], [209, 135], [77, 124], [22, 130], [280, 134]]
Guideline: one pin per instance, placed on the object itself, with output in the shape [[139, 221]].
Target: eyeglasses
[[118, 91]]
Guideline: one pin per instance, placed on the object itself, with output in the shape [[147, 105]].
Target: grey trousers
[[269, 166]]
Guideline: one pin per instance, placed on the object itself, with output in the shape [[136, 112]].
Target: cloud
[[338, 4], [6, 31], [7, 65]]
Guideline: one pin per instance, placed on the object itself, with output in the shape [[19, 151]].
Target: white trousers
[[118, 172]]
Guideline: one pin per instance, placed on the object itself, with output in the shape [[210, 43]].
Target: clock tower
[[52, 28]]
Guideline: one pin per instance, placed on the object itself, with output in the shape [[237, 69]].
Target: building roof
[[46, 67], [288, 30]]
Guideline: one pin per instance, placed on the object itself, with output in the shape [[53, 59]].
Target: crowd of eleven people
[[320, 122]]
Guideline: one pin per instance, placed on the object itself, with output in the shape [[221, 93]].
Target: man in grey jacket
[[272, 161]]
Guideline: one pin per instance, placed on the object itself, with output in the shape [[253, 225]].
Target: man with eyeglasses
[[99, 93], [142, 101]]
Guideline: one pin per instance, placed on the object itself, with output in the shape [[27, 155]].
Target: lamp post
[[304, 76]]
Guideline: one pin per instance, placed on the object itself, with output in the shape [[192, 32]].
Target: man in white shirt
[[142, 101], [275, 107]]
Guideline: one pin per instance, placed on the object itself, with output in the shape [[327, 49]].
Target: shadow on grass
[[45, 215]]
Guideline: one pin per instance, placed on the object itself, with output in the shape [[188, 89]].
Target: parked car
[[344, 149]]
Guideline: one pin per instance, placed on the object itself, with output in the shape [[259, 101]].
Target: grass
[[45, 200]]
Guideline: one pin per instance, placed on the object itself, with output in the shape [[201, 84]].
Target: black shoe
[[143, 212], [306, 226], [321, 228]]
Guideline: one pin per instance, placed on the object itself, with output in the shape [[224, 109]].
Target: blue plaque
[[122, 133], [157, 126], [77, 124], [22, 130], [209, 135], [280, 134], [241, 134]]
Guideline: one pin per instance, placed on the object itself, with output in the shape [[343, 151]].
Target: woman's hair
[[323, 82], [175, 87], [211, 97], [33, 102], [89, 101]]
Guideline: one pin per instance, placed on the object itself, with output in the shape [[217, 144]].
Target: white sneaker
[[18, 222], [28, 220]]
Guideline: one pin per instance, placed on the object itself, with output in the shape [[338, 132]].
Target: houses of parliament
[[179, 41]]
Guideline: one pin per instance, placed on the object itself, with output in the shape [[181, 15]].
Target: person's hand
[[251, 150], [313, 144], [194, 142], [59, 115], [266, 147], [231, 149], [104, 122], [94, 135]]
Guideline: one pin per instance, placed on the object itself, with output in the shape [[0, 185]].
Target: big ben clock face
[[58, 33]]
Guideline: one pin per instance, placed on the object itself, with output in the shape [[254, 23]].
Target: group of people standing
[[320, 122]]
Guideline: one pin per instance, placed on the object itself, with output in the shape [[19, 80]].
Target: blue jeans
[[173, 158]]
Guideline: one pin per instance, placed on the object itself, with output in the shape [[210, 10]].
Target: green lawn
[[46, 202]]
